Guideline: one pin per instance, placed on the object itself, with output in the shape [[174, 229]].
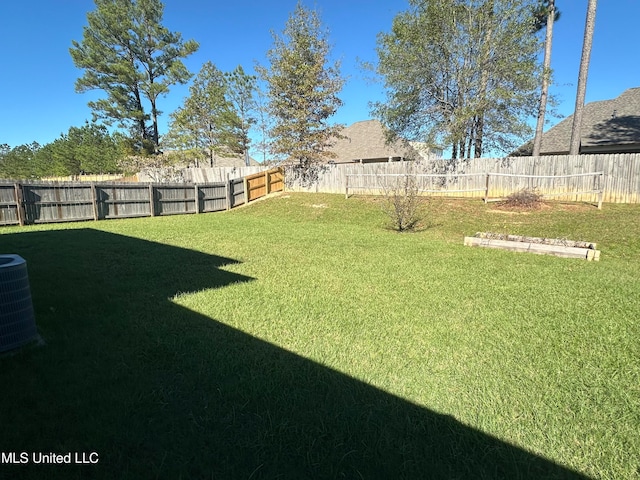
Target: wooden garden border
[[556, 247]]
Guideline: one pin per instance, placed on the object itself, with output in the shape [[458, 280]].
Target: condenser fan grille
[[17, 320]]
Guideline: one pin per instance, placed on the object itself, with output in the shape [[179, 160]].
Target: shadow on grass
[[159, 391]]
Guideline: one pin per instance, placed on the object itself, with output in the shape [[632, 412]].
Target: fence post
[[266, 182], [197, 198], [152, 201], [94, 201], [346, 186], [601, 190], [246, 190], [282, 171], [56, 190], [486, 193], [20, 211], [227, 192]]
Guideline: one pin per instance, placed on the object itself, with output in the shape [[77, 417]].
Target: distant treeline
[[89, 149]]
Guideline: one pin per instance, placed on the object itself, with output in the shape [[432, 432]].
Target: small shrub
[[402, 203], [525, 198]]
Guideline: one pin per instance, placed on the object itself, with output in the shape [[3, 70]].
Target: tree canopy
[[460, 73], [21, 161], [132, 57], [302, 90], [241, 90], [541, 13], [89, 149], [216, 116]]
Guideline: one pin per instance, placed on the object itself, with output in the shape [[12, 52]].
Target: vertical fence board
[[52, 202], [123, 200], [213, 197], [173, 199], [9, 205], [275, 180], [256, 186], [237, 192]]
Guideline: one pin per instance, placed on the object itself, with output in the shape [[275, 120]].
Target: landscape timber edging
[[541, 246]]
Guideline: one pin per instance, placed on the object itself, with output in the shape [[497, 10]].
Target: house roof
[[608, 126], [231, 161], [366, 140], [224, 159]]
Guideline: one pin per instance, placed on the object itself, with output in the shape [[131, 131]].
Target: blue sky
[[38, 101]]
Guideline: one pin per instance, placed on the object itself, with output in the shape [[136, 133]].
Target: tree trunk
[[154, 119], [574, 148], [211, 144], [479, 127], [484, 83], [546, 74], [472, 138], [142, 125]]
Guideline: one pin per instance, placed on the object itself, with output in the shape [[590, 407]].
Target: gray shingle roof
[[230, 161], [608, 126], [366, 140]]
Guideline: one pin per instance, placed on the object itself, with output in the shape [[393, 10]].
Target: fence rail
[[589, 184], [30, 203], [457, 183], [620, 180], [261, 184], [442, 186]]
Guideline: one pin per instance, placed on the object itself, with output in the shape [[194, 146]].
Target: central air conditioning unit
[[17, 320]]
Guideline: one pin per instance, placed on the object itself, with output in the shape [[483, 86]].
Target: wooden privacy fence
[[64, 202], [261, 184], [572, 187], [619, 183], [28, 203], [425, 183], [217, 174], [492, 186]]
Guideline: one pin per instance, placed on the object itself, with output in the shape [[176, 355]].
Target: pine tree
[[215, 118], [241, 89], [134, 59], [302, 90]]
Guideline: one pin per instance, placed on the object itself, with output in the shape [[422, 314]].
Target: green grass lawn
[[299, 337]]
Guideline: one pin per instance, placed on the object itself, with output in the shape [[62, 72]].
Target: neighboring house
[[219, 160], [230, 161], [608, 126], [366, 142]]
